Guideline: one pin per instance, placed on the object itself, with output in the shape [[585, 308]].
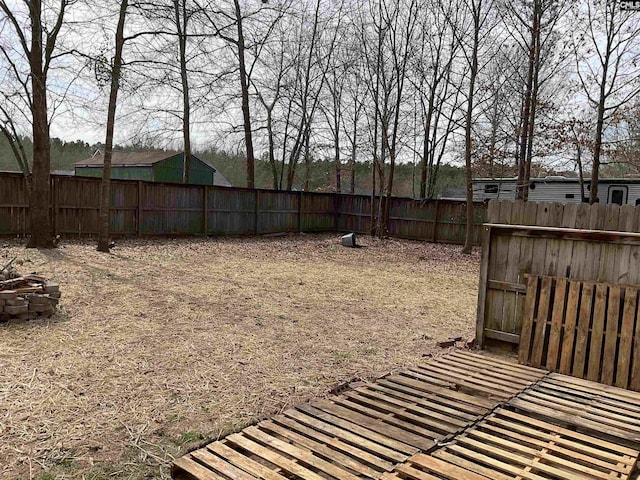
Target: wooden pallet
[[507, 445], [590, 407], [585, 329], [479, 375], [367, 431]]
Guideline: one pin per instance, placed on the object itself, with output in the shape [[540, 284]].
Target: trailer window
[[491, 188], [618, 195], [569, 195]]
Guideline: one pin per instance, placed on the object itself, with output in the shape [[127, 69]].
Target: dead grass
[[167, 344]]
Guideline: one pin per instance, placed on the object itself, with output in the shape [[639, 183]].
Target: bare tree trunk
[[580, 171], [534, 108], [244, 86], [386, 206], [338, 164], [272, 154], [181, 25], [37, 47], [307, 164], [352, 161], [521, 191], [374, 164], [597, 146], [425, 148], [105, 186], [40, 222], [494, 137], [468, 236]]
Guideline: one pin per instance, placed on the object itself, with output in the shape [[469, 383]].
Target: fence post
[[256, 213], [205, 209], [139, 210], [482, 287], [55, 189], [336, 210], [434, 238], [300, 193]]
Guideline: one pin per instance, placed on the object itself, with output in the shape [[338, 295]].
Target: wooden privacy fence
[[146, 208], [592, 243]]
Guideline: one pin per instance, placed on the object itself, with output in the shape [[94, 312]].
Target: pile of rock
[[25, 297]]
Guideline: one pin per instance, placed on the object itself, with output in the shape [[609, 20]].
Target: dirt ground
[[167, 344]]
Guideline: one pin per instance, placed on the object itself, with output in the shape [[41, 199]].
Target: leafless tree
[[497, 125], [105, 186], [533, 26], [433, 81], [228, 21], [391, 27], [354, 95], [607, 55], [472, 44], [333, 108], [274, 65], [36, 40], [182, 25], [314, 51]]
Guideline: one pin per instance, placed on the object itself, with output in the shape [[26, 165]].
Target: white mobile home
[[623, 191]]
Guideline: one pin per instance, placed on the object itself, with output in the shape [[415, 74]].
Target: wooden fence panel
[[78, 202], [354, 214], [277, 212], [14, 211], [171, 209], [231, 211], [76, 206], [124, 208], [146, 208], [412, 218], [573, 241], [451, 219], [317, 212]]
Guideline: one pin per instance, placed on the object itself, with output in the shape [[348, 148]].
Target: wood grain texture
[[589, 331]]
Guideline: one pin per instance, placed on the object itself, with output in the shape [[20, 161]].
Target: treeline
[[65, 154]]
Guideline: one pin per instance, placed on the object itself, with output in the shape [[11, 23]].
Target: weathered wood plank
[[597, 330], [527, 322], [571, 319], [611, 336], [582, 334], [483, 297], [512, 272], [625, 351], [544, 303], [557, 317]]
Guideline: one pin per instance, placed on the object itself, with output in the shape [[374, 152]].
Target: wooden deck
[[461, 416]]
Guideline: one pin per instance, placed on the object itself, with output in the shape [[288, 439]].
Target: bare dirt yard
[[167, 344]]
